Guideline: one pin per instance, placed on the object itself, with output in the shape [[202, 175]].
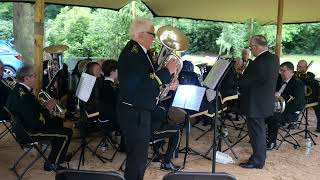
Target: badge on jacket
[[135, 49], [21, 92]]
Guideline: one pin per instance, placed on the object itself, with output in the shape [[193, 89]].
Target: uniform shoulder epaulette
[[21, 92], [135, 49]]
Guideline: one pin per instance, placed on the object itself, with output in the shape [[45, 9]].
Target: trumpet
[[57, 111]]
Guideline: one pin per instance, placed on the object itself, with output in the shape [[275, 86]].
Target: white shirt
[[29, 88], [109, 78]]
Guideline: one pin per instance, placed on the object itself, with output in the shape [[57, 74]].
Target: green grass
[[314, 68]]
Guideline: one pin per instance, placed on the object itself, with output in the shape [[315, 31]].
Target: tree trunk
[[23, 30]]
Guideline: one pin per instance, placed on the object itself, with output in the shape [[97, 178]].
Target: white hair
[[139, 25]]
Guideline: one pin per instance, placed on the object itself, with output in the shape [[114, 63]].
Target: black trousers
[[317, 112], [173, 133], [275, 121], [135, 124], [59, 140], [257, 134], [58, 136]]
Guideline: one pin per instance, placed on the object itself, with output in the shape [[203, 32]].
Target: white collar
[[29, 88], [144, 49], [109, 78]]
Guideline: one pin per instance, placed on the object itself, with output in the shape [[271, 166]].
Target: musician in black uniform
[[138, 92], [257, 88], [36, 119], [109, 91], [4, 93], [291, 90], [312, 85], [162, 128]]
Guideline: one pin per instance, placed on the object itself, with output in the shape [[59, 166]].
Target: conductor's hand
[[50, 104], [172, 65]]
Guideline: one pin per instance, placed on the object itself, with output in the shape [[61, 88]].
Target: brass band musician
[[36, 119], [312, 87], [291, 89]]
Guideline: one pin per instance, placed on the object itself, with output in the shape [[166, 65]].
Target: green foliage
[[6, 31], [6, 11], [51, 11]]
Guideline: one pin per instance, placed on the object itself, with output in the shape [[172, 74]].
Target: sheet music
[[189, 97], [85, 86], [216, 73]]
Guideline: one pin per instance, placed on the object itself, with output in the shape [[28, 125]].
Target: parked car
[[11, 59]]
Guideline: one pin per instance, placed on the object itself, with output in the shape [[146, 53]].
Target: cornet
[[58, 111]]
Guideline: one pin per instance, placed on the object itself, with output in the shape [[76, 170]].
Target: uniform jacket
[[293, 94], [136, 86]]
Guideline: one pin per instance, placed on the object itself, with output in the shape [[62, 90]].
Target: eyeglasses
[[153, 34]]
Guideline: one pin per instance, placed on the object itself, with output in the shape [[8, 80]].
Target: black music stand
[[213, 82], [188, 97]]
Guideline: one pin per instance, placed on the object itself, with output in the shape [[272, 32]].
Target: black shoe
[[249, 165], [271, 146], [169, 166], [50, 167]]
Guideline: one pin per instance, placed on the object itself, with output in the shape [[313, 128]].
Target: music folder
[[85, 86], [216, 73], [189, 97]]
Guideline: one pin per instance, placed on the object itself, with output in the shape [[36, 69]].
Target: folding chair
[[5, 121], [284, 138], [26, 143], [198, 176], [84, 175], [306, 131]]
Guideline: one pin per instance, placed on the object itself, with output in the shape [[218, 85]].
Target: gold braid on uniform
[[155, 77]]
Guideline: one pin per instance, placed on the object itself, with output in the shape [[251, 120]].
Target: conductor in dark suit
[[257, 88], [291, 89], [138, 92]]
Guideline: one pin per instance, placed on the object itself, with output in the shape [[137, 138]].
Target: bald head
[[258, 44], [302, 66]]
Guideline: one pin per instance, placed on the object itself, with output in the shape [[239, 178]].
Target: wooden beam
[[38, 42], [279, 28]]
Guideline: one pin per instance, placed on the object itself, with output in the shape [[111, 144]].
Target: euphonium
[[43, 97], [279, 104], [172, 40]]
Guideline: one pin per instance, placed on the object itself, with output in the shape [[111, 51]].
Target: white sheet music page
[[216, 72], [85, 86], [189, 97]]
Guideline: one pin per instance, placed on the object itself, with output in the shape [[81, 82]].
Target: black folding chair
[[85, 175], [26, 143], [198, 176]]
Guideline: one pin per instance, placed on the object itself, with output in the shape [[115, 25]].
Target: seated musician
[[4, 93], [161, 128], [91, 107], [109, 91], [292, 91], [312, 87], [36, 119]]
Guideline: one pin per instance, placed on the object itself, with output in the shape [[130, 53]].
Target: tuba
[[279, 104], [43, 97], [172, 40]]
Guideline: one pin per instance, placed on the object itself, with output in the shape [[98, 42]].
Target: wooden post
[[38, 41], [251, 30], [133, 9], [279, 28]]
